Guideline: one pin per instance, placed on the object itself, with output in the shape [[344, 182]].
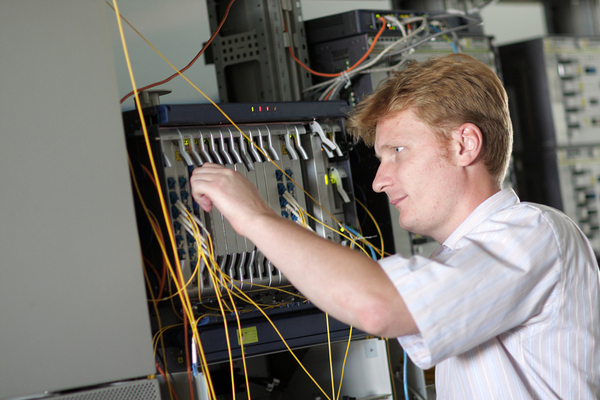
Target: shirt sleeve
[[494, 279]]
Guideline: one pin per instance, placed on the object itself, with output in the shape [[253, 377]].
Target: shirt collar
[[504, 198]]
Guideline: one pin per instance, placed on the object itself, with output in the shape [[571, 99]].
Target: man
[[508, 306]]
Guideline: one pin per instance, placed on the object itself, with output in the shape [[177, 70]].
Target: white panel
[[72, 301], [511, 21], [366, 372]]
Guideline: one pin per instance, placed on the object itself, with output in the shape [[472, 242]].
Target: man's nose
[[382, 179]]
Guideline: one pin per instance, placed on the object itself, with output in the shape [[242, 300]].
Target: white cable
[[334, 85], [397, 23], [187, 224], [298, 219], [182, 208], [290, 199], [436, 34], [199, 222]]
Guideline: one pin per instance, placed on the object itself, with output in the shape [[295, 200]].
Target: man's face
[[419, 175]]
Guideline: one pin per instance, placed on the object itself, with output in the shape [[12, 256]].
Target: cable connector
[[194, 358], [183, 151], [290, 199], [335, 177], [327, 144], [346, 78], [195, 151], [272, 384]]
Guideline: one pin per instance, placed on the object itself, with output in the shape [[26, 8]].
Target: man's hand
[[234, 196]]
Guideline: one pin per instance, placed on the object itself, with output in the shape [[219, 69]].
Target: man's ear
[[470, 142]]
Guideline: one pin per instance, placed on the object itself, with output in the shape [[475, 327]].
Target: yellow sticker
[[178, 156], [248, 335], [180, 360]]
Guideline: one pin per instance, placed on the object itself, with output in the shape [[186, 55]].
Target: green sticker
[[248, 335]]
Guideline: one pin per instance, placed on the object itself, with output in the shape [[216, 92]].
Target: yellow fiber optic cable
[[344, 363], [216, 281], [225, 277], [330, 356], [218, 294], [350, 238], [240, 339], [158, 336], [196, 232], [283, 341]]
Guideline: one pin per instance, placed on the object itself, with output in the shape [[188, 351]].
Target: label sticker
[[247, 336]]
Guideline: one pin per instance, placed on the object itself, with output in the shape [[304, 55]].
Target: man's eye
[[398, 149]]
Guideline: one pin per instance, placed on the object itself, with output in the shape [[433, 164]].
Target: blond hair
[[444, 92]]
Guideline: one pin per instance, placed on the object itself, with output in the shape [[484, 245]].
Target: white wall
[[178, 28], [73, 306]]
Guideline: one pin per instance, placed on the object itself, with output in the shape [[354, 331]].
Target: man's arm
[[340, 281]]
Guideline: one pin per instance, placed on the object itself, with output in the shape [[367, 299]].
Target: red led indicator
[[259, 108]]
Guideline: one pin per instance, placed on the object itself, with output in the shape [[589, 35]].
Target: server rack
[[554, 90], [306, 140], [252, 51]]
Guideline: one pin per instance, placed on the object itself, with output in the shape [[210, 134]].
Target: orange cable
[[160, 370], [335, 75], [147, 171], [158, 232], [151, 266], [329, 94]]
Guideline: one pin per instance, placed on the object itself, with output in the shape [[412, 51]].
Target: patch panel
[[280, 158]]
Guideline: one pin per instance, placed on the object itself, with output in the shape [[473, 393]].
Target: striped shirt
[[508, 307]]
